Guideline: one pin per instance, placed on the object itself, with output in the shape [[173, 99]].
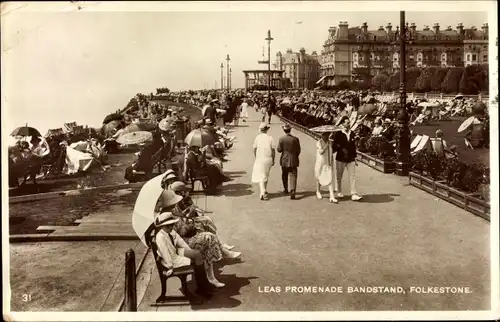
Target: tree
[[379, 80], [392, 82], [423, 82], [437, 78], [451, 82], [162, 90]]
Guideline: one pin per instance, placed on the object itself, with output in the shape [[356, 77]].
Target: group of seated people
[[186, 236]]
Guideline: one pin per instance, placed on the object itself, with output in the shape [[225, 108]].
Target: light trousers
[[351, 170]]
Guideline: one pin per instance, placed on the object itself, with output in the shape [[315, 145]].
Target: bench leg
[[162, 297]]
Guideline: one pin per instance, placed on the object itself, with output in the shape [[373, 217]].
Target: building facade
[[353, 53], [301, 70]]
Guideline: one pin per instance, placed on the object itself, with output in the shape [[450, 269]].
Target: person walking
[[264, 153], [271, 108], [289, 147], [345, 145], [323, 168], [244, 110]]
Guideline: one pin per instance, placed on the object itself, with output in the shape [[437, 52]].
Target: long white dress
[[323, 170], [263, 158], [244, 110]]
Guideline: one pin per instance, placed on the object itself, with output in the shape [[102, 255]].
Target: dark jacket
[[211, 113], [344, 146], [289, 147]]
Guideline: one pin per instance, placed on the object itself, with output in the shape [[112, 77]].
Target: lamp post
[[221, 76], [402, 131], [227, 70], [230, 76], [269, 38]]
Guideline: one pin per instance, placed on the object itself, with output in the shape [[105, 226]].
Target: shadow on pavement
[[224, 296], [236, 190], [379, 198]]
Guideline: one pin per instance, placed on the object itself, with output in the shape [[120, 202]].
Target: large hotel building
[[349, 51]]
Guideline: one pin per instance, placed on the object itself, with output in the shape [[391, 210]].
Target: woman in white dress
[[244, 110], [263, 150], [323, 168]]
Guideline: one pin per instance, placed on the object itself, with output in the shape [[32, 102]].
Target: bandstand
[[260, 78]]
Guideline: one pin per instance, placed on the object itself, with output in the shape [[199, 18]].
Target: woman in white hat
[[206, 243], [168, 179], [175, 252], [264, 152]]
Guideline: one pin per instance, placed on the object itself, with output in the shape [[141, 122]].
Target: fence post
[[130, 282], [479, 97]]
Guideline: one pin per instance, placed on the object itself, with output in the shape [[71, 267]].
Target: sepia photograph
[[314, 160]]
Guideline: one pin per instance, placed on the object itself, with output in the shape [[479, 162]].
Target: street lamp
[[269, 38], [402, 131], [221, 76], [230, 76], [227, 69]]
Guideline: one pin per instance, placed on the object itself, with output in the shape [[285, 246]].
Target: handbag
[[325, 175]]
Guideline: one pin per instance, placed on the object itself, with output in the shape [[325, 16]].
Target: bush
[[423, 82], [437, 78], [392, 82], [451, 83], [380, 146], [411, 75], [379, 80]]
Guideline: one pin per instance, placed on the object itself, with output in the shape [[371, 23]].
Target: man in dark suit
[[211, 111], [289, 147]]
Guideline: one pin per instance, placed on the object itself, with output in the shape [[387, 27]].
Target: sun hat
[[168, 199], [169, 171], [287, 127], [263, 126], [178, 186], [170, 176], [164, 219]]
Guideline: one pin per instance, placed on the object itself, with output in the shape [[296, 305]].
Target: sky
[[60, 64]]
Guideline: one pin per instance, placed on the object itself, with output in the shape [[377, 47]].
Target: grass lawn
[[451, 136]]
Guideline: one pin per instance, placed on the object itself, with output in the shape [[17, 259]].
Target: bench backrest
[[150, 236], [437, 146], [415, 142]]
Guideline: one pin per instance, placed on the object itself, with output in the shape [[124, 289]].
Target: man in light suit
[[289, 147]]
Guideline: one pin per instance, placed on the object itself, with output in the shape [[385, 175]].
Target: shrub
[[423, 82], [379, 80], [451, 83], [437, 78], [411, 75]]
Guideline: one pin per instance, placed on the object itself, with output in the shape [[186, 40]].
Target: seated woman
[[175, 253], [186, 208], [196, 162], [168, 179], [206, 243]]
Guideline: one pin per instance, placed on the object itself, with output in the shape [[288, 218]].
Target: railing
[[481, 97]]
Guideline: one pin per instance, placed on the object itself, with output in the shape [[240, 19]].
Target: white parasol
[[135, 138], [145, 204], [465, 124], [325, 128], [429, 104], [165, 124]]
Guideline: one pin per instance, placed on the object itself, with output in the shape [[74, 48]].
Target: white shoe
[[318, 195], [228, 247], [211, 276], [232, 255], [340, 195], [356, 197], [333, 200], [216, 283]]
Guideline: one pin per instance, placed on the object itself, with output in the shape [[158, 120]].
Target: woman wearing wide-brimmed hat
[[264, 152]]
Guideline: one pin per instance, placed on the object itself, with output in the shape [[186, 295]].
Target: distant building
[[353, 53], [301, 70]]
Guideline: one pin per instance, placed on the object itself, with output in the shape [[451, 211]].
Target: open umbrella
[[200, 138], [429, 104], [135, 138], [145, 204], [26, 131], [110, 128], [141, 126], [367, 109], [465, 124], [112, 117]]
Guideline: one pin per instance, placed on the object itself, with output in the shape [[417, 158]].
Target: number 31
[[26, 297]]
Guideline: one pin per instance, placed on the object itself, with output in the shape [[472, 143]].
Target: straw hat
[[178, 186], [164, 219], [263, 127], [169, 171], [287, 127]]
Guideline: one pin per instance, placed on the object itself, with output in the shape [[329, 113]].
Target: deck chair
[[424, 143], [477, 135], [415, 142], [438, 147]]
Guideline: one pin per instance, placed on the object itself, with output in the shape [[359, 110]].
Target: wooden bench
[[181, 273]]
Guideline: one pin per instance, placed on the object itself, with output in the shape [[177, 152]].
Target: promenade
[[397, 236]]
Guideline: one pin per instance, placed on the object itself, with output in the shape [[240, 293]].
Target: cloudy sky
[[61, 64]]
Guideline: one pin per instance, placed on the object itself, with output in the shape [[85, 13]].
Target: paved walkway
[[397, 236]]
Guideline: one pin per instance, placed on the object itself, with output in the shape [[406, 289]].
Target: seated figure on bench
[[206, 243], [186, 208], [196, 163], [176, 253]]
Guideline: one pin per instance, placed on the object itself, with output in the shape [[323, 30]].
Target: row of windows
[[420, 57]]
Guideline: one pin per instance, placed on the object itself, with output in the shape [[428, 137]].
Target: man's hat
[[287, 127], [164, 219]]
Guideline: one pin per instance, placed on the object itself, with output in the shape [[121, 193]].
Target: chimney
[[302, 51], [436, 29], [381, 28], [314, 53], [343, 31], [485, 30], [426, 28], [388, 28], [449, 28], [413, 27], [364, 27], [460, 28], [473, 28], [289, 51]]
